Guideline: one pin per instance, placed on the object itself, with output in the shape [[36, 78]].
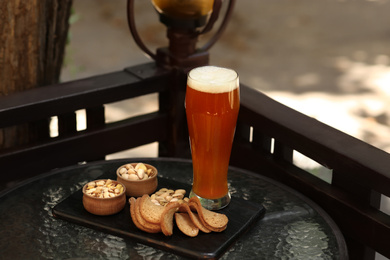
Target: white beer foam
[[213, 79]]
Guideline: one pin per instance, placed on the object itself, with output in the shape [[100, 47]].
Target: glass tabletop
[[293, 226]]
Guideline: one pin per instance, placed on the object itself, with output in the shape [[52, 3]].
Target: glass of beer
[[212, 103]]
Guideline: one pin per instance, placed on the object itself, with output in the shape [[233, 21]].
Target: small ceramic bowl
[[104, 206], [137, 188]]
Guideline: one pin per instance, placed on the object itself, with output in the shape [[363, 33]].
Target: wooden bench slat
[[85, 145], [57, 99]]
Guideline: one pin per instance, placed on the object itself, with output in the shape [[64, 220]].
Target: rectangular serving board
[[241, 213]]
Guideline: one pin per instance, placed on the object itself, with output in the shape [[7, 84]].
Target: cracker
[[214, 221], [185, 224], [133, 213], [190, 217], [153, 228], [194, 218], [150, 211], [167, 218]]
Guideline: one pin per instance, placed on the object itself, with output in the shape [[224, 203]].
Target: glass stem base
[[213, 204]]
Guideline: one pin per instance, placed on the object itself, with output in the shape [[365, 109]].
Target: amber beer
[[212, 104]]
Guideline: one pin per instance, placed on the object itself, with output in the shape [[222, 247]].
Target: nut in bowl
[[104, 197], [139, 178]]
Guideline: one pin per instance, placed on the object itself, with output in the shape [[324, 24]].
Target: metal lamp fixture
[[185, 20]]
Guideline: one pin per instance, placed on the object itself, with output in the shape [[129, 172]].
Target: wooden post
[[32, 41]]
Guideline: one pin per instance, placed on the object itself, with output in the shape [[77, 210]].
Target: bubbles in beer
[[213, 79]]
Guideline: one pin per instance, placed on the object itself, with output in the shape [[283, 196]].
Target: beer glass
[[212, 103]]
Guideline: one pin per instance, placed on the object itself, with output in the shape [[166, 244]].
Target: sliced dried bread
[[167, 218], [185, 224], [153, 228], [133, 213], [212, 220], [150, 211], [194, 218]]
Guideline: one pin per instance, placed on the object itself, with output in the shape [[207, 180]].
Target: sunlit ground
[[364, 115]]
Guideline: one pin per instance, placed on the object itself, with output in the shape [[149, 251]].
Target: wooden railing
[[100, 138], [268, 133]]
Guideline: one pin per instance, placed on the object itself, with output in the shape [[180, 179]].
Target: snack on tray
[[214, 221], [190, 217], [150, 211], [194, 218], [164, 196], [135, 173], [185, 224], [133, 213], [138, 178], [154, 228], [167, 218], [104, 197]]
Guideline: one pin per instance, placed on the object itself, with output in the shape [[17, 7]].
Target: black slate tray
[[241, 214]]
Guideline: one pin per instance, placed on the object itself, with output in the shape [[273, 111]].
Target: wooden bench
[[267, 134]]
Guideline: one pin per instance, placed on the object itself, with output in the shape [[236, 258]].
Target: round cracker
[[150, 211], [214, 221], [185, 224], [167, 218]]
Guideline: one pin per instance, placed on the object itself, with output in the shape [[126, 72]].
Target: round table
[[293, 227]]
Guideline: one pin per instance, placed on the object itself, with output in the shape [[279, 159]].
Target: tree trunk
[[32, 42]]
